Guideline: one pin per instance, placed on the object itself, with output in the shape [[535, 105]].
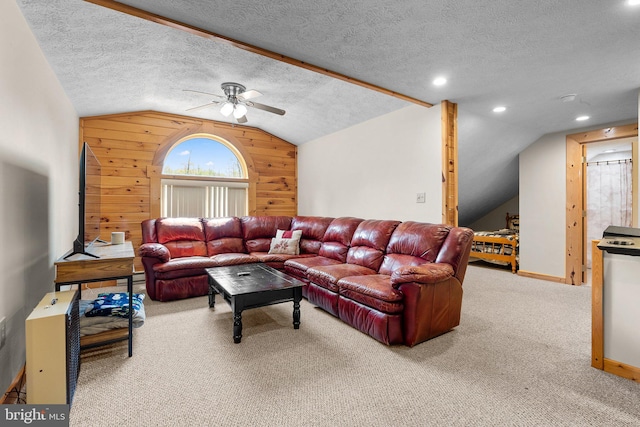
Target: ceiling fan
[[235, 101]]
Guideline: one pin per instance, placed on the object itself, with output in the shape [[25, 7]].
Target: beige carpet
[[521, 356]]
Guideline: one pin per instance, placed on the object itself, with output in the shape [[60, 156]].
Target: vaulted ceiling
[[521, 55]]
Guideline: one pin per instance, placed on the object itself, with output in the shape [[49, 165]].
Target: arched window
[[204, 176], [203, 156]]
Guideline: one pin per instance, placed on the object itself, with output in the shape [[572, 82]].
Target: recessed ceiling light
[[633, 2], [499, 109], [440, 81], [610, 150], [582, 118]]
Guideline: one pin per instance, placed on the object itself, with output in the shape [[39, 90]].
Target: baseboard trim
[[546, 277], [622, 370], [12, 395]]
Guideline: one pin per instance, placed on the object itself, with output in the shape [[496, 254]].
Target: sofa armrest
[[425, 274], [154, 250]]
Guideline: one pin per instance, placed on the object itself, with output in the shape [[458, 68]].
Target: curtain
[[609, 198]]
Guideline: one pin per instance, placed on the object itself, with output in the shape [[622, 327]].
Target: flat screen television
[[88, 202]]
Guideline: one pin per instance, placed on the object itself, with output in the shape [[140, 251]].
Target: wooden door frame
[[576, 188]]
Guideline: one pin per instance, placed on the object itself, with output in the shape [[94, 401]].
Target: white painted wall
[[38, 178], [497, 218], [543, 206], [375, 169], [543, 203], [636, 208]]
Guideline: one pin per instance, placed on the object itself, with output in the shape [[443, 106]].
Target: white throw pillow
[[288, 234], [284, 246]]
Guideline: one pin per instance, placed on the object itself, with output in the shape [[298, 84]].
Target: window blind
[[206, 199]]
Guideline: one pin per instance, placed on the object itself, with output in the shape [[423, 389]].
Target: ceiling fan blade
[[242, 119], [268, 108], [210, 104], [205, 93], [248, 94]]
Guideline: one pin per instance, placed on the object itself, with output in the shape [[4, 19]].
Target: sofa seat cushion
[[277, 260], [299, 266], [267, 257], [186, 263], [222, 260], [328, 276], [373, 291]]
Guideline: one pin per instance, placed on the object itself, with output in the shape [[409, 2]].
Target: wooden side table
[[114, 262]]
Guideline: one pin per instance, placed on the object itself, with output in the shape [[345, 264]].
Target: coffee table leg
[[296, 315], [212, 293], [237, 327], [297, 297]]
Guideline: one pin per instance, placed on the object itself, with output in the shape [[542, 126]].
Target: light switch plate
[[421, 197]]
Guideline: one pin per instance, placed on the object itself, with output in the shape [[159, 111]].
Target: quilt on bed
[[110, 311]]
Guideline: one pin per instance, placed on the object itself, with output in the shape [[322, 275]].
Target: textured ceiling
[[523, 55]]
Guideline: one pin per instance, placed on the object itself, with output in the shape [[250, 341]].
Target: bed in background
[[500, 246]]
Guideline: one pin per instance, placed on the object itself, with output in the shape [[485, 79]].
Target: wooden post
[[449, 163], [575, 210], [597, 324]]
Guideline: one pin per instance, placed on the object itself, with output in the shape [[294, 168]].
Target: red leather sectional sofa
[[399, 282]]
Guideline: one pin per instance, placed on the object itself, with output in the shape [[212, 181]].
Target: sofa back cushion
[[149, 231], [369, 242], [413, 243], [223, 235], [257, 231], [182, 236], [337, 238], [313, 229], [455, 250]]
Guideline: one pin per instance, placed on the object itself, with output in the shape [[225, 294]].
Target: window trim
[[168, 180], [219, 139]]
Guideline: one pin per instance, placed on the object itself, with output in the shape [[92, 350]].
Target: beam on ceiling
[[133, 11]]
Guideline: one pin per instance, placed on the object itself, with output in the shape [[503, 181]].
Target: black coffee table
[[253, 285]]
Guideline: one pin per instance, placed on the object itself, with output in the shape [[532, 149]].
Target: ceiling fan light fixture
[[239, 111], [226, 109], [440, 81]]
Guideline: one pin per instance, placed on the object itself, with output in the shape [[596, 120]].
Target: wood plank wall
[[131, 148]]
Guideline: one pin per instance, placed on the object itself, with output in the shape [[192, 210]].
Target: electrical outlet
[[3, 331], [421, 198]]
